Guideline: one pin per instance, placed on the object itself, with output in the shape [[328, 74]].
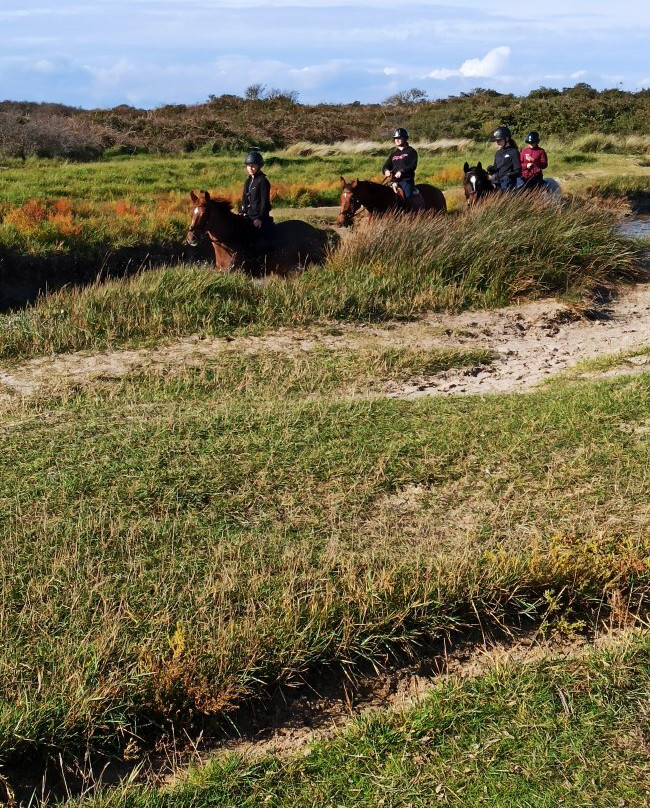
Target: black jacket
[[404, 160], [256, 197], [506, 164]]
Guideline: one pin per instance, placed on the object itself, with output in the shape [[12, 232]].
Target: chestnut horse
[[377, 198], [476, 183], [238, 244]]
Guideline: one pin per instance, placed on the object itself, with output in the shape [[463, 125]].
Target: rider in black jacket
[[507, 168], [402, 162], [256, 196]]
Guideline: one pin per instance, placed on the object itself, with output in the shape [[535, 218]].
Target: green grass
[[173, 543], [490, 257], [571, 732]]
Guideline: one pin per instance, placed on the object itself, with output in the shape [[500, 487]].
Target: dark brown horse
[[378, 199], [238, 244], [476, 183]]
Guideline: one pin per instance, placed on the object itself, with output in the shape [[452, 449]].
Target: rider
[[533, 161], [256, 196], [401, 163], [507, 168]]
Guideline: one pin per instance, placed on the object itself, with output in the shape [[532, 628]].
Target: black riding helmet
[[501, 133], [254, 158], [400, 132], [532, 137]]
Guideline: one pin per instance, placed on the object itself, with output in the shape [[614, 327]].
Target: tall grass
[[504, 250]]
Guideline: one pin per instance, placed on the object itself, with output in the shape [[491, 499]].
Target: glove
[[491, 170]]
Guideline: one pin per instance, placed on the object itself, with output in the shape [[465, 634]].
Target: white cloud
[[44, 66], [578, 74], [490, 66]]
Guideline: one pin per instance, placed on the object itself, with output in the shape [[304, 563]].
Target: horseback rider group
[[512, 169]]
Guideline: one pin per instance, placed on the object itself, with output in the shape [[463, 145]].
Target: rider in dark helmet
[[533, 161], [256, 196], [507, 168], [401, 163]]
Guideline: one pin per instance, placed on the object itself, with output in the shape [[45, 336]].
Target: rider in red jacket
[[533, 161]]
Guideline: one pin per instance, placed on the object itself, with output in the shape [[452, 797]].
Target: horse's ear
[[466, 167], [205, 195], [479, 165], [194, 197], [354, 183], [343, 182]]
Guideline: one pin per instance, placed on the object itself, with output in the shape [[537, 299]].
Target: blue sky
[[152, 52]]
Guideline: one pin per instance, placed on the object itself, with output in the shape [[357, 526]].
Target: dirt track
[[532, 343]]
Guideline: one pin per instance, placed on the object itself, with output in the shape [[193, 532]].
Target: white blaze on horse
[[477, 184]]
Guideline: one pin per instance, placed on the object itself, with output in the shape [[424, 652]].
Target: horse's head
[[350, 203], [213, 216], [197, 227], [475, 183]]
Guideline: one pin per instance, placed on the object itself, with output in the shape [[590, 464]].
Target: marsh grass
[[395, 268], [175, 544]]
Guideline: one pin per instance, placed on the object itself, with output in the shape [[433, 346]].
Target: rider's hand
[[257, 222], [387, 173], [491, 170], [397, 175]]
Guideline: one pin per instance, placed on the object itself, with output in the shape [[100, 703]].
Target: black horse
[[476, 183]]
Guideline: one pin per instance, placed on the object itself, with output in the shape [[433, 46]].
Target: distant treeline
[[229, 122]]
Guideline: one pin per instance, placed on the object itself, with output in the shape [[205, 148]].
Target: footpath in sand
[[531, 342]]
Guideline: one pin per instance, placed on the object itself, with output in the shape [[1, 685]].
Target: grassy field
[[176, 543], [173, 543]]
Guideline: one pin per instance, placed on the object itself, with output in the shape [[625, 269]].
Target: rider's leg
[[408, 186]]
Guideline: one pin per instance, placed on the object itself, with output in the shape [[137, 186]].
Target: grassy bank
[[392, 270], [173, 544], [564, 732]]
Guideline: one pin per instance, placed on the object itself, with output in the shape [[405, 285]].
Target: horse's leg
[[224, 260]]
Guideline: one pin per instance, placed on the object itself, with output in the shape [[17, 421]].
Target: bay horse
[[378, 199], [476, 183], [238, 244]]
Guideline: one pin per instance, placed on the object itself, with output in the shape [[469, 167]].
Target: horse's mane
[[221, 202]]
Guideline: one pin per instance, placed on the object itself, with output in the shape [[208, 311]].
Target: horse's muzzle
[[343, 221], [191, 239]]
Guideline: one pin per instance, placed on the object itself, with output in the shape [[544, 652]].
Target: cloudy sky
[[152, 52]]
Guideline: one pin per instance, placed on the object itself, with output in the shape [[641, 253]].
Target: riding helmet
[[254, 158], [400, 132], [532, 137], [501, 133]]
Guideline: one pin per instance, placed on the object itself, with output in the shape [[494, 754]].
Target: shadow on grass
[[24, 278]]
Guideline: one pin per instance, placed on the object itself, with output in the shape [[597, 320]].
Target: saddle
[[414, 203]]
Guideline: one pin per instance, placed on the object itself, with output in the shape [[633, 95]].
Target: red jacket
[[533, 161]]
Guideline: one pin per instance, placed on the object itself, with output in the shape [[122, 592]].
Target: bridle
[[197, 227], [475, 183], [353, 205]]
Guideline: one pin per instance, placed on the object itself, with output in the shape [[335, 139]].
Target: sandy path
[[532, 342]]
